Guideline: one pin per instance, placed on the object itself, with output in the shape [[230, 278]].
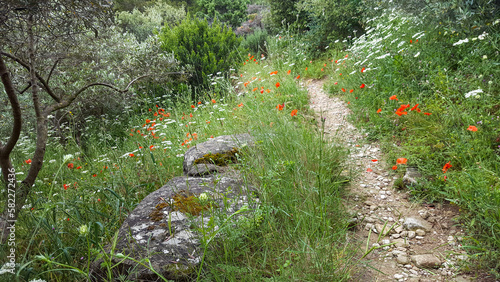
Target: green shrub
[[232, 12], [256, 42], [330, 20], [207, 49], [143, 24]]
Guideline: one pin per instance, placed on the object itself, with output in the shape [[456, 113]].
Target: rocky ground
[[409, 241]]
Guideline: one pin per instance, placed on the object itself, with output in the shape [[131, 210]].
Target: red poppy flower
[[414, 107], [294, 113], [400, 113], [199, 103], [298, 76], [472, 128], [343, 90], [336, 83], [362, 70], [65, 186], [321, 69], [374, 160], [28, 161], [394, 167], [240, 105], [78, 167], [192, 106], [213, 101], [280, 106], [94, 175], [446, 167], [378, 111], [70, 165], [362, 86], [131, 155], [288, 72], [427, 114], [277, 84], [393, 97], [369, 170], [352, 90], [401, 161]]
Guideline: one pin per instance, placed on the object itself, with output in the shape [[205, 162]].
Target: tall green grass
[[88, 186]]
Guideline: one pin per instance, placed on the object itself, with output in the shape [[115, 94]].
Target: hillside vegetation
[[146, 80]]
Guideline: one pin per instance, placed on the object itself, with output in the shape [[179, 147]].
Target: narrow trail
[[423, 241]]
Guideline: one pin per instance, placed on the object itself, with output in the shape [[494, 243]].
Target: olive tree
[[53, 52]]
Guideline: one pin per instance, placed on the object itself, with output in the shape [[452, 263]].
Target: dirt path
[[423, 241]]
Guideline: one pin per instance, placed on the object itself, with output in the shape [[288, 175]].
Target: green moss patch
[[220, 159]]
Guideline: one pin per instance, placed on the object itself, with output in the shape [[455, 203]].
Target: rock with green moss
[[213, 155]]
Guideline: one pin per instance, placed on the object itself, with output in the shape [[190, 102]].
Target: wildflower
[[414, 107], [298, 76], [369, 170], [203, 197], [288, 72], [78, 167], [461, 41], [83, 230], [67, 158], [192, 106], [400, 113], [28, 161], [393, 97], [374, 160], [262, 91], [472, 128], [362, 86], [70, 165], [394, 167], [343, 90], [306, 68], [321, 69], [427, 114], [294, 113], [131, 155], [240, 105], [473, 93], [255, 89], [378, 111], [199, 102], [446, 167], [362, 70], [350, 91], [401, 161], [336, 83], [277, 84], [66, 186], [94, 175], [280, 106], [213, 101]]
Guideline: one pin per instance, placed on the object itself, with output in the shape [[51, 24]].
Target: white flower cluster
[[473, 93]]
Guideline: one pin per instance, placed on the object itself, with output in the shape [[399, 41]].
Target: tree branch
[[38, 76], [52, 69], [6, 149], [26, 88], [69, 99]]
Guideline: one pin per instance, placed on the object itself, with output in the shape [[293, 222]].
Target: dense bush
[[284, 14], [208, 49], [143, 24], [256, 41], [329, 20], [232, 12]]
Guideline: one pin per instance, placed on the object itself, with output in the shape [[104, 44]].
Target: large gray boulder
[[162, 229]]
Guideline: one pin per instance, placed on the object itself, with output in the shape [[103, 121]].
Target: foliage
[[330, 20], [284, 15], [231, 12], [449, 79], [256, 41], [208, 49], [144, 24]]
